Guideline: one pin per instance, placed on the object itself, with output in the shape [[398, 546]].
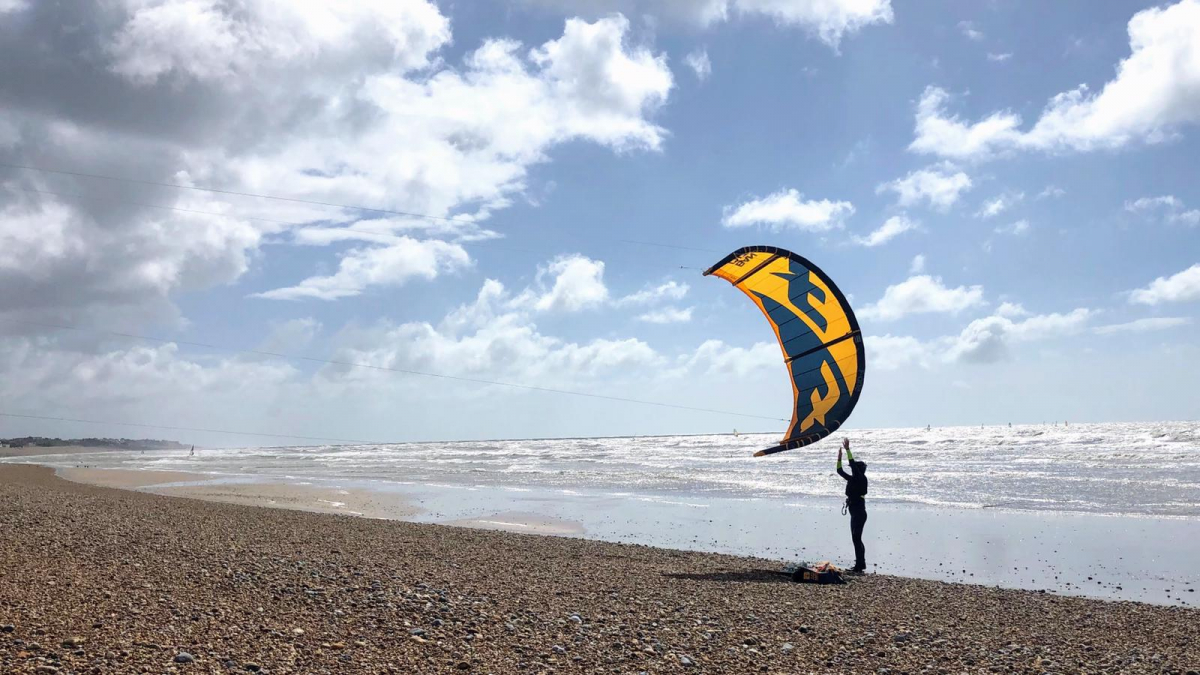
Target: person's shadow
[[751, 576]]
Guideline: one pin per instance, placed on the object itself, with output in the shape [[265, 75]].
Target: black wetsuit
[[856, 489]]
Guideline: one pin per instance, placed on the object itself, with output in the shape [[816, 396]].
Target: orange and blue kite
[[821, 342]]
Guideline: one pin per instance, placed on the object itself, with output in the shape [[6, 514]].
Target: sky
[[267, 216]]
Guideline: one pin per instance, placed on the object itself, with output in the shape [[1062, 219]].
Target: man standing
[[856, 504]]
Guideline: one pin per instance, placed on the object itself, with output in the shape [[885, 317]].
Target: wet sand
[[113, 581], [295, 496]]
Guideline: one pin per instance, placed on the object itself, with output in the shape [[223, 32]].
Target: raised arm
[[846, 446]]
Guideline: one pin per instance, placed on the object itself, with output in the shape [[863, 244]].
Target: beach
[[96, 579]]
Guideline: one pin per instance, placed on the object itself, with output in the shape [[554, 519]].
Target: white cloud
[[998, 205], [1171, 207], [1011, 310], [889, 352], [1145, 204], [969, 31], [922, 294], [918, 264], [698, 61], [348, 107], [787, 209], [988, 340], [714, 356], [891, 228], [985, 340], [10, 6], [392, 265], [578, 284], [1155, 91], [1181, 287], [667, 315], [669, 290], [829, 20], [1144, 325], [1051, 191], [1016, 229], [940, 187], [999, 58]]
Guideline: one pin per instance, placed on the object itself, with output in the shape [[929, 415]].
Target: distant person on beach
[[856, 491]]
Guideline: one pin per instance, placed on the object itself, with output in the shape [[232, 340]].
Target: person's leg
[[858, 520]]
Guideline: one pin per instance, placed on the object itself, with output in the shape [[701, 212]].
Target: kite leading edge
[[817, 332]]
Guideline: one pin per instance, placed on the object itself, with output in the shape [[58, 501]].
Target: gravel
[[134, 581]]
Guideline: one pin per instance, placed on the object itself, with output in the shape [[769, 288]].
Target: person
[[856, 504]]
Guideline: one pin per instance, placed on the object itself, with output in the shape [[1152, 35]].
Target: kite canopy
[[821, 342]]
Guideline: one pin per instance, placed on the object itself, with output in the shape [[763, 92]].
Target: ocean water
[[1140, 469]]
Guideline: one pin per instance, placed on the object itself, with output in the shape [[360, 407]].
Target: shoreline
[[1081, 555], [130, 580]]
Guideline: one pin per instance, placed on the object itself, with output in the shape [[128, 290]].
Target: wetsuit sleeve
[[849, 455], [841, 473]]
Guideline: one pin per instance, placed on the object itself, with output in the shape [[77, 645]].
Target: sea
[[1106, 510]]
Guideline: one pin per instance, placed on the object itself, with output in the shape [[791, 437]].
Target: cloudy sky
[[527, 191]]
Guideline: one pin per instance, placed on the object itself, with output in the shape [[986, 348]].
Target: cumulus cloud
[[939, 187], [1181, 287], [1169, 207], [570, 283], [390, 265], [968, 29], [828, 20], [1017, 228], [667, 315], [1000, 204], [999, 58], [918, 264], [357, 106], [922, 294], [988, 340], [1144, 325], [714, 356], [698, 61], [891, 228], [788, 209], [668, 290], [1156, 90]]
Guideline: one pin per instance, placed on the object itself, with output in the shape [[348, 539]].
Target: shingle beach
[[99, 580]]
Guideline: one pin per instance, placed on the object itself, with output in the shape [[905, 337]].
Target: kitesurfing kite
[[821, 342]]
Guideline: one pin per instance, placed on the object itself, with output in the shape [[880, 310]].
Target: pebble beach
[[100, 580]]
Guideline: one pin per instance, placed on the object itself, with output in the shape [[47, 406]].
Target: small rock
[[686, 662], [45, 669], [900, 637], [184, 657], [463, 665], [7, 628], [558, 649], [297, 632], [786, 647], [418, 632], [576, 618], [252, 667], [73, 642]]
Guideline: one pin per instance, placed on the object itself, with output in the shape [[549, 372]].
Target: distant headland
[[116, 443]]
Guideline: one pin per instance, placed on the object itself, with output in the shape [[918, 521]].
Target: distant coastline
[[108, 443]]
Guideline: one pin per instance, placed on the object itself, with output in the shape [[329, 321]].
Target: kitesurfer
[[856, 504]]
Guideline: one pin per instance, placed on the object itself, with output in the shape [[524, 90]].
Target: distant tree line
[[122, 443]]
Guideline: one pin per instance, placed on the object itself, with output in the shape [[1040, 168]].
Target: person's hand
[[846, 443]]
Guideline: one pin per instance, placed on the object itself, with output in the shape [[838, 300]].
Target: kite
[[821, 342]]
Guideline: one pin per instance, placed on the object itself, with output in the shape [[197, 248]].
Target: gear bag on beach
[[821, 573]]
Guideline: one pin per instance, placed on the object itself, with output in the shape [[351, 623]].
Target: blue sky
[[1005, 191]]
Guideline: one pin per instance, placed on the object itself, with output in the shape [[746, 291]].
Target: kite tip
[[761, 453]]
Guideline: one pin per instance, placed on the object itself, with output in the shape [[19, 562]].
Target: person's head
[[858, 468]]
